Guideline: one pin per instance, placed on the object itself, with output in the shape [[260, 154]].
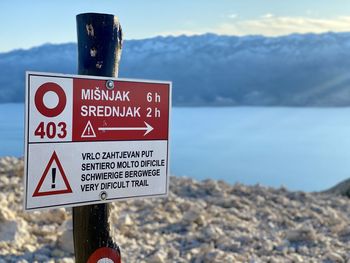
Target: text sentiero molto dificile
[[119, 169]]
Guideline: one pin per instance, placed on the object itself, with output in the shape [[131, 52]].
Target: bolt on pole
[[99, 51]]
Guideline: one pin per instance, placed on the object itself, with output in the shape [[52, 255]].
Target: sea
[[305, 149]]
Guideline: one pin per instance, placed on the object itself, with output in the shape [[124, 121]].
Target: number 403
[[51, 130]]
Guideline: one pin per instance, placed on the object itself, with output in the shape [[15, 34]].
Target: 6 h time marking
[[153, 98]]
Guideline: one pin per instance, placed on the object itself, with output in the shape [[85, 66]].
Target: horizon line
[[185, 35]]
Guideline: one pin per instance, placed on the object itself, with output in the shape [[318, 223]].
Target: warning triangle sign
[[54, 180], [88, 131]]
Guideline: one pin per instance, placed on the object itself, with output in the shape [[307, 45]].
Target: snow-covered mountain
[[294, 70]]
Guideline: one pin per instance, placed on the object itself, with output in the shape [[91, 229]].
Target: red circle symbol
[[39, 99], [105, 255]]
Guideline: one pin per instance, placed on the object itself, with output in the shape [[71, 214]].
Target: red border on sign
[[56, 192]]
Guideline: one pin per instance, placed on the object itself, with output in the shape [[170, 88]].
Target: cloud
[[273, 25], [232, 16], [268, 15]]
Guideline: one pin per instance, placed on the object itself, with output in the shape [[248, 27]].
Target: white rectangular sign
[[94, 140]]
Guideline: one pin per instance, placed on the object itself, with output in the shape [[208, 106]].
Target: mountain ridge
[[213, 70]]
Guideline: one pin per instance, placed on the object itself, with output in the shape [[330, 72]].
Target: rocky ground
[[207, 221]]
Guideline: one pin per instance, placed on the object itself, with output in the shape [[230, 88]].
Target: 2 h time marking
[[155, 98]]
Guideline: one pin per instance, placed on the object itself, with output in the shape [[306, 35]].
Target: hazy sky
[[31, 23]]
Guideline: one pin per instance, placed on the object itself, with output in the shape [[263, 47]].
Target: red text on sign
[[50, 130]]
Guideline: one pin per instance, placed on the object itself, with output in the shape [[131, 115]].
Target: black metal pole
[[99, 50]]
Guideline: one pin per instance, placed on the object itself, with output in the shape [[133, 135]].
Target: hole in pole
[[93, 52]]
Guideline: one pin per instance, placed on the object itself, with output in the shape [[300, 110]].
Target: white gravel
[[207, 221]]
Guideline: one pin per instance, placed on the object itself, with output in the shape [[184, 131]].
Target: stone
[[41, 258], [14, 231], [157, 257], [65, 242], [57, 253], [335, 257], [191, 215], [200, 221], [125, 220], [303, 233], [65, 260]]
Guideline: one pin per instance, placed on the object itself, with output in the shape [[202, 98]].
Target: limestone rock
[[13, 230], [208, 221], [158, 257], [65, 239], [304, 233], [335, 257]]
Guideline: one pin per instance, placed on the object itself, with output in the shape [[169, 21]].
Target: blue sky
[[25, 24]]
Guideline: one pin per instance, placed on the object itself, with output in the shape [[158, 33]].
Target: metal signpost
[[95, 139]]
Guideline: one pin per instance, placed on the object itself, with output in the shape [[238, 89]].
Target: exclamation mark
[[53, 172], [88, 130]]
